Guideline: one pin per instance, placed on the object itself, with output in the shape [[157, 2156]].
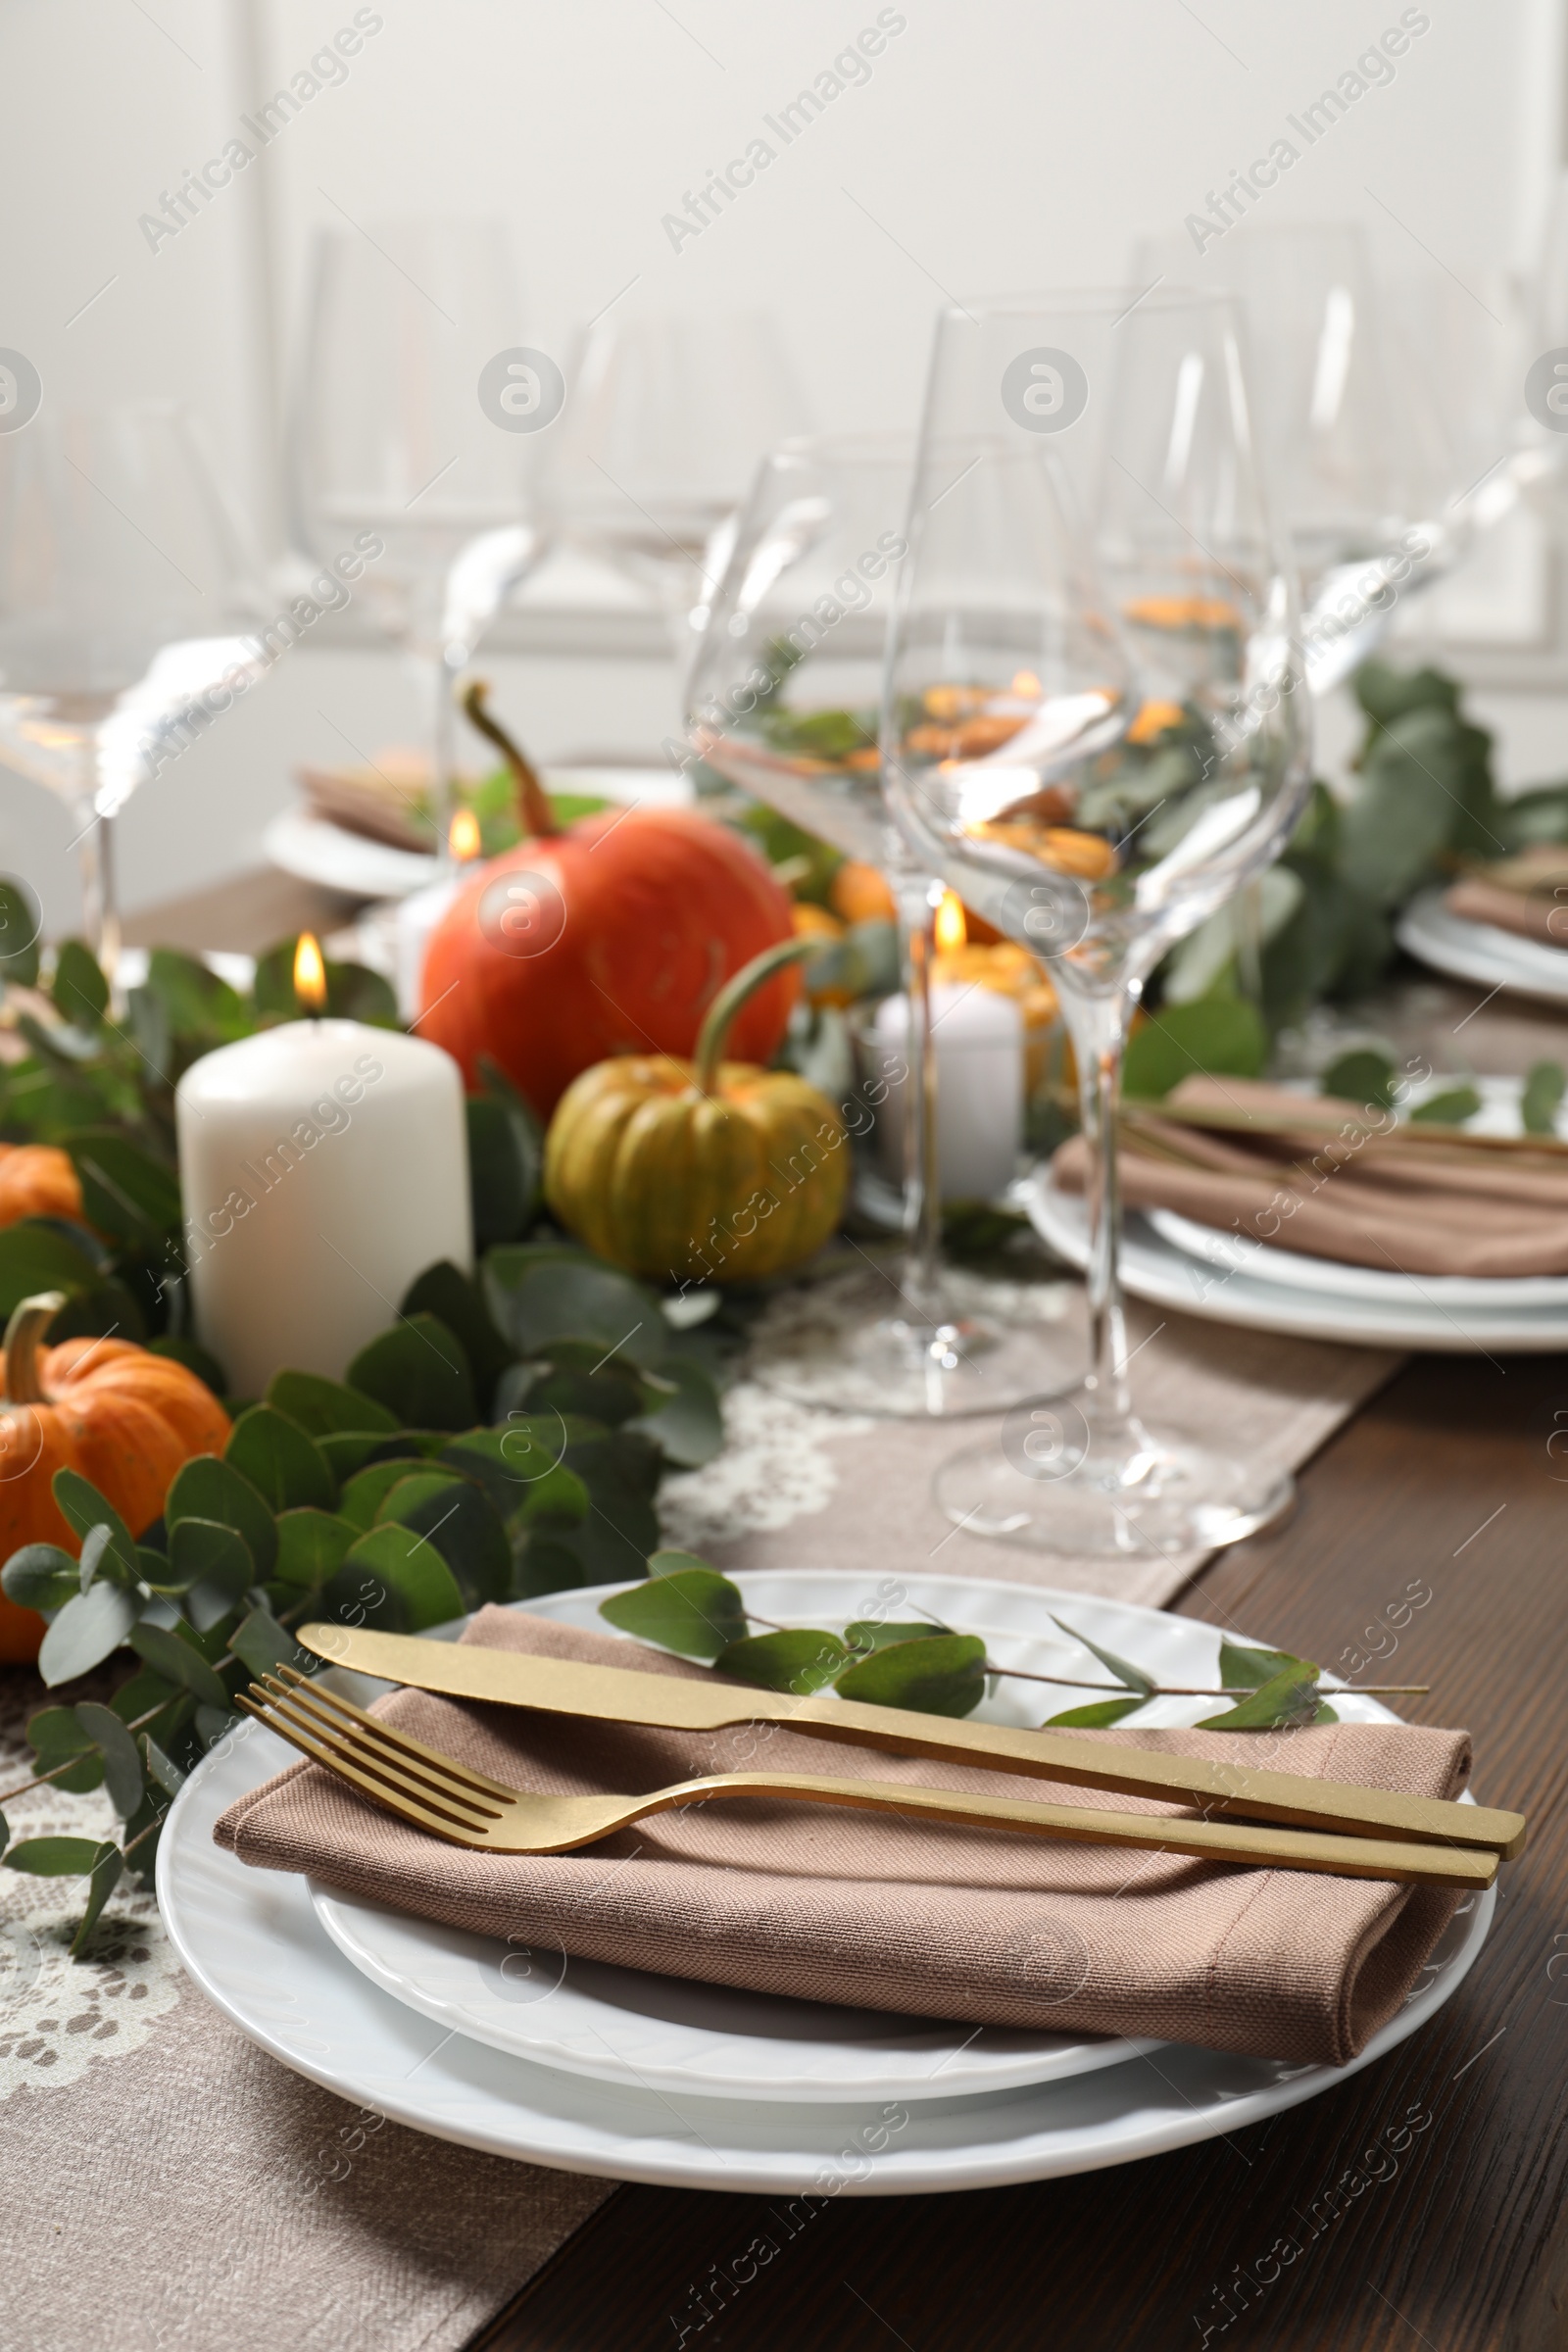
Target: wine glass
[[785, 702], [123, 580], [1362, 453], [1096, 728], [415, 418], [670, 416]]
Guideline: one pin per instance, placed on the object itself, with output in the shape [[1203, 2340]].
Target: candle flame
[[1026, 683], [950, 929], [462, 839], [310, 973]]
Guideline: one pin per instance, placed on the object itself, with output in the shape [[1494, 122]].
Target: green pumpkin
[[707, 1169]]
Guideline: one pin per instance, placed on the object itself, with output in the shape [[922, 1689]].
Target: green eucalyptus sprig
[[691, 1609], [506, 1437]]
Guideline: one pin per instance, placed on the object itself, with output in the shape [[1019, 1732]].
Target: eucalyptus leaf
[[323, 1407], [5, 1833], [1096, 1718], [1409, 794], [164, 1770], [1291, 1696], [942, 1674], [56, 1734], [510, 1462], [79, 990], [106, 1876], [534, 1301], [94, 1544], [264, 1646], [456, 1300], [216, 1723], [865, 1634], [687, 1425], [125, 1193], [57, 1857], [1130, 1677], [85, 1508], [87, 1630], [207, 1488], [21, 925], [311, 1546], [559, 1497], [193, 1002], [1217, 1036], [419, 1372], [398, 1579], [612, 1397], [178, 1660], [208, 1551], [287, 1469], [122, 1772], [684, 1605], [1450, 1108], [365, 1493], [621, 1471], [1363, 1077], [1244, 1668], [40, 1576], [41, 1254], [460, 1520], [1541, 1098], [348, 1451], [798, 1659]]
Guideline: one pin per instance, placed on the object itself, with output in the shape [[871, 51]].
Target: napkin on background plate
[[879, 1912], [1424, 1207], [1538, 916]]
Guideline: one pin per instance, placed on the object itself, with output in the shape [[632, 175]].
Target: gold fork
[[433, 1792]]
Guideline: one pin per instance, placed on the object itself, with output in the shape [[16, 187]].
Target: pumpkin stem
[[29, 1320], [714, 1035], [534, 812]]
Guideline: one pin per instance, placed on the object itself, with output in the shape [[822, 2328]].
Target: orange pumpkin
[[124, 1418], [37, 1180]]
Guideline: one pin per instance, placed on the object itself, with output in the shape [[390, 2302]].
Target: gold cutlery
[[705, 1703], [432, 1791]]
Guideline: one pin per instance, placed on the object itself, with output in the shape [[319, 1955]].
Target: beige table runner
[[165, 2180], [803, 1489]]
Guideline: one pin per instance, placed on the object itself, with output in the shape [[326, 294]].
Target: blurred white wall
[[1002, 143]]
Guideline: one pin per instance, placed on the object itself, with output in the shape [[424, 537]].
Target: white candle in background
[[980, 1059], [323, 1165]]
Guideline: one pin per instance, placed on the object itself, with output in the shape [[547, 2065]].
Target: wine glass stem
[[100, 906], [923, 1214], [1098, 1027]]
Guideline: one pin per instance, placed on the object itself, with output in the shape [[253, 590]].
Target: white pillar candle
[[323, 1165], [979, 1039]]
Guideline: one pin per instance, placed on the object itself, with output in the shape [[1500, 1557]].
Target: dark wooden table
[[1457, 2238]]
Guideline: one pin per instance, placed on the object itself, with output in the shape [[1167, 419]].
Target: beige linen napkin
[[1402, 1207], [883, 1913], [1532, 914]]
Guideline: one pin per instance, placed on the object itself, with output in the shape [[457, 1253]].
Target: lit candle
[[979, 1042], [323, 1165]]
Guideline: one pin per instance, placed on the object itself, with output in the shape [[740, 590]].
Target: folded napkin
[[1403, 1207], [1533, 915], [880, 1912]]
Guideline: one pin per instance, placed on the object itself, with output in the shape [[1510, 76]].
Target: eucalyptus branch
[[42, 1779], [1066, 1682]]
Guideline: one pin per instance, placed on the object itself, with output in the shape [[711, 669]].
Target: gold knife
[[669, 1702]]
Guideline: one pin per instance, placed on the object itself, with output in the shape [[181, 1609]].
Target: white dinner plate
[[1171, 1272], [1480, 952], [315, 850], [251, 1942]]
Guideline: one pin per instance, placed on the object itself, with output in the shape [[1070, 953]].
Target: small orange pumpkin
[[124, 1418], [37, 1180]]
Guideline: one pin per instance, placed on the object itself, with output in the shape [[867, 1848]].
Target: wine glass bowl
[[123, 580], [1096, 730], [784, 702]]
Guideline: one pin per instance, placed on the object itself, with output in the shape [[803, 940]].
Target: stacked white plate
[[1480, 952], [609, 2071], [1229, 1278]]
